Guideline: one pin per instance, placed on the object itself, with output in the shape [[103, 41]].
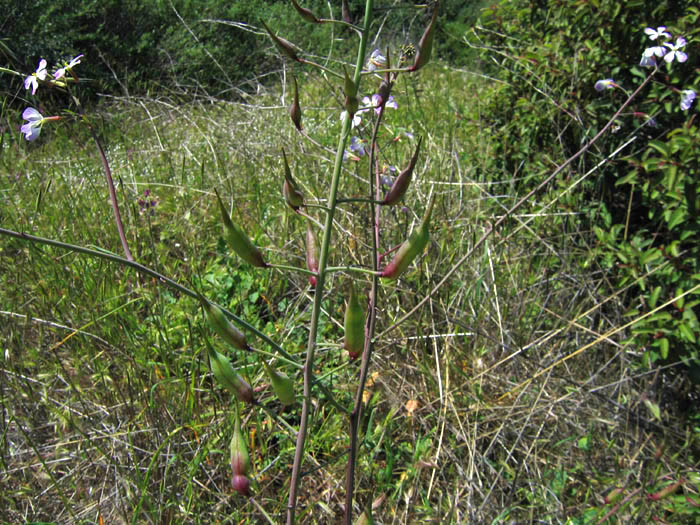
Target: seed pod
[[283, 45], [240, 460], [614, 495], [281, 384], [239, 241], [425, 46], [401, 183], [228, 377], [311, 252], [354, 325], [295, 108], [290, 190], [666, 491], [411, 248], [241, 484], [306, 14], [222, 326]]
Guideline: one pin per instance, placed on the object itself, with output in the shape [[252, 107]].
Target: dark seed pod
[[295, 108], [425, 46], [311, 252], [283, 45], [355, 316], [411, 248], [239, 241], [222, 326], [401, 183], [241, 484], [306, 14], [290, 190]]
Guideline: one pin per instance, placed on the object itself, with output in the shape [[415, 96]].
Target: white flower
[[687, 97], [674, 51], [606, 83], [356, 119], [33, 79], [62, 72], [34, 120], [376, 60], [656, 33]]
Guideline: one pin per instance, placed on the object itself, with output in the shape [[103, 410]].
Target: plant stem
[[318, 296]]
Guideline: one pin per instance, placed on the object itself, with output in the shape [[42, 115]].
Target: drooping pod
[[311, 252], [306, 14], [295, 108], [425, 46], [239, 241], [355, 317], [240, 460], [228, 377], [283, 45], [292, 196], [401, 183], [411, 248], [222, 326], [282, 385]]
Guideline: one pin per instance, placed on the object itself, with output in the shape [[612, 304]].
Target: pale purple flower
[[656, 33], [376, 60], [33, 79], [650, 54], [32, 128], [376, 102], [606, 83], [356, 118], [70, 65], [358, 146], [675, 52], [687, 97]]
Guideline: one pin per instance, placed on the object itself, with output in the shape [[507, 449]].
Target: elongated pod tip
[[425, 46], [403, 180]]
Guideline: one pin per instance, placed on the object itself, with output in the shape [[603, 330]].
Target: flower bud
[[290, 190], [401, 183], [239, 241], [311, 252], [283, 45], [281, 384], [240, 460], [222, 326], [228, 377], [425, 46], [295, 108], [306, 14], [354, 325], [241, 484], [411, 248]]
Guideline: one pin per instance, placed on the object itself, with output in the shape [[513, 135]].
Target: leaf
[[661, 147], [654, 297], [687, 332], [663, 347]]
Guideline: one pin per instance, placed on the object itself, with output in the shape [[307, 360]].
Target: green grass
[[109, 408]]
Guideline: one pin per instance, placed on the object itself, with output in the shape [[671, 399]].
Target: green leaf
[[663, 347], [661, 147], [687, 332], [654, 297]]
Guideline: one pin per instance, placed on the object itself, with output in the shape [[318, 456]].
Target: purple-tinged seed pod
[[292, 196], [222, 326], [666, 491], [425, 46], [295, 108], [355, 317], [283, 45], [614, 495], [306, 14], [241, 484], [411, 248], [401, 183], [239, 241], [240, 460], [311, 252]]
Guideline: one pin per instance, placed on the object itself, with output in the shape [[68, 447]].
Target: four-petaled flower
[[34, 120], [674, 51], [656, 33], [40, 74], [376, 60], [356, 118], [376, 102], [70, 65], [358, 146], [648, 57], [687, 97], [606, 83]]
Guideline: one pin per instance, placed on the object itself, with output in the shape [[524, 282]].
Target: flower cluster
[[668, 50], [147, 204], [375, 102]]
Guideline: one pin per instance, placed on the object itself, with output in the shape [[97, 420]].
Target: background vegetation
[[557, 363]]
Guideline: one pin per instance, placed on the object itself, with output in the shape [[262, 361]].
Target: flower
[[648, 57], [358, 146], [40, 74], [606, 83], [656, 33], [376, 103], [70, 65], [687, 97], [34, 120], [675, 51], [376, 60], [356, 118]]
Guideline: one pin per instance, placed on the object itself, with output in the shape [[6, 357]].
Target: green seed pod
[[306, 14], [290, 190], [283, 45], [425, 46], [240, 460], [355, 316], [410, 249], [228, 377], [311, 252], [222, 326], [614, 495], [239, 241], [281, 384], [398, 189], [295, 108]]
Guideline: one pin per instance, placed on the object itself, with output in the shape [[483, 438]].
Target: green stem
[[357, 269]]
